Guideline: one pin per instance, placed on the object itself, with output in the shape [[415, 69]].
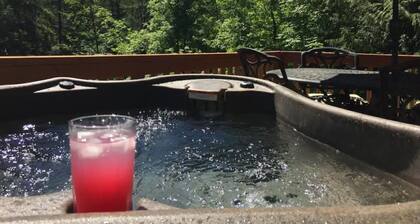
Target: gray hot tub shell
[[389, 145]]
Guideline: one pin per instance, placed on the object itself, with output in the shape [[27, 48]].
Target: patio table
[[332, 78]]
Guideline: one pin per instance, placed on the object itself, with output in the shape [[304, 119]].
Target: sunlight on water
[[251, 161], [236, 161], [34, 159]]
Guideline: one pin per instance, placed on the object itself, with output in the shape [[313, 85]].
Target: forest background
[[52, 27]]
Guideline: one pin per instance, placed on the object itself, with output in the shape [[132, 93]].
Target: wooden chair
[[336, 58], [400, 91], [329, 57], [256, 64]]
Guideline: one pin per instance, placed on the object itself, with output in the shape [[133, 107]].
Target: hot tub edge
[[396, 213], [390, 145], [341, 129]]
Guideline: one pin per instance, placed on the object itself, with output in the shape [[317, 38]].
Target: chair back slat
[[256, 63], [329, 57]]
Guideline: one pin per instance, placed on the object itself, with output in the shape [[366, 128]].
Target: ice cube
[[83, 135], [118, 138], [107, 136], [91, 151]]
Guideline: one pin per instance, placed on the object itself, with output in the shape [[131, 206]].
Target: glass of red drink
[[102, 162]]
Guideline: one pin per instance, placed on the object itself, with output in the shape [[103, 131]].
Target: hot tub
[[211, 148]]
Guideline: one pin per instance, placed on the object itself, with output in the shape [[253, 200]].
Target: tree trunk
[[94, 28], [117, 6], [60, 21], [273, 4]]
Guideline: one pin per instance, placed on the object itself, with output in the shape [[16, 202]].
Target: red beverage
[[102, 163]]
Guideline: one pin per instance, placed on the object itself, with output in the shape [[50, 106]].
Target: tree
[[136, 13], [90, 28], [157, 26], [410, 35], [26, 27]]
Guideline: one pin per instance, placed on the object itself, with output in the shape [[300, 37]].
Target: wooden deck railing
[[32, 68]]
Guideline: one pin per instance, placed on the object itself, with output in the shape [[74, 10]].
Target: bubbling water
[[239, 160], [251, 161], [34, 158]]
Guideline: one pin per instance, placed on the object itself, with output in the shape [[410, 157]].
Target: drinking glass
[[102, 161]]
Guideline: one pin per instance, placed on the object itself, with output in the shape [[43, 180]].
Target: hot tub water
[[247, 160]]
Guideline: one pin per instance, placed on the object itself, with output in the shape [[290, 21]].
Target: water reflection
[[34, 160], [236, 161]]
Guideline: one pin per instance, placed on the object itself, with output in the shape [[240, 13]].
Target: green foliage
[[25, 27], [135, 13], [90, 28], [162, 26]]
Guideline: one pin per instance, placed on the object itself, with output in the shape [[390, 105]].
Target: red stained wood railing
[[32, 68]]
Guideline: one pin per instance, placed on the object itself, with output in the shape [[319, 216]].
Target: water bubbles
[[28, 157], [153, 123], [211, 158], [170, 198], [198, 156], [283, 165], [236, 202], [187, 162], [28, 127]]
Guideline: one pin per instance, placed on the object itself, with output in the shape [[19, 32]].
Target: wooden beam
[[32, 68]]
